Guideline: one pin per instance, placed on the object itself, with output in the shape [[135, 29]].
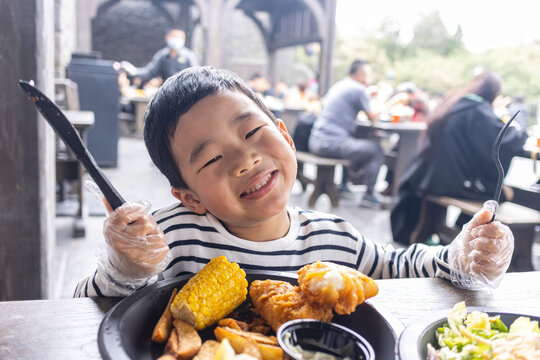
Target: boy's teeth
[[259, 185]]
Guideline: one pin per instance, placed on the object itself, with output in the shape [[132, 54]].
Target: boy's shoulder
[[319, 219]]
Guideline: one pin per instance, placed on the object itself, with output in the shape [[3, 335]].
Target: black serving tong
[[71, 138], [496, 158]]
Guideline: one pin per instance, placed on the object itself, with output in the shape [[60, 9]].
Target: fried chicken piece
[[279, 301], [336, 286]]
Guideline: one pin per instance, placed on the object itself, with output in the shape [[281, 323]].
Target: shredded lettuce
[[471, 336], [456, 316]]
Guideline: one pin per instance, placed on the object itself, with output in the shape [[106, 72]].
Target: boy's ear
[[189, 199], [285, 133]]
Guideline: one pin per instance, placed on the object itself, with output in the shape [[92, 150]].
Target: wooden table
[[140, 103], [68, 328], [409, 133]]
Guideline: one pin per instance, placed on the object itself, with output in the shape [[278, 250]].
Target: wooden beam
[[327, 48], [27, 190]]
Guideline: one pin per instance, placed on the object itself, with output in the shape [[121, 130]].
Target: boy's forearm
[[103, 284], [416, 261]]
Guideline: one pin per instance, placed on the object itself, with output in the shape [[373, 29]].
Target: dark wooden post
[[213, 39], [26, 151], [327, 48]]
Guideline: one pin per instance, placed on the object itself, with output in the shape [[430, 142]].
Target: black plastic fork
[[495, 155]]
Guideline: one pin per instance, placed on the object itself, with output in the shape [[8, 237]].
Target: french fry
[[208, 350], [162, 330], [189, 341], [268, 346]]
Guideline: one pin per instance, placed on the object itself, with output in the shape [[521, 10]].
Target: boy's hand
[[482, 252], [137, 247]]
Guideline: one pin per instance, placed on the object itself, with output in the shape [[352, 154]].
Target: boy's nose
[[246, 163]]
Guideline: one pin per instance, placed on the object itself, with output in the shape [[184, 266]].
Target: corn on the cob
[[216, 290]]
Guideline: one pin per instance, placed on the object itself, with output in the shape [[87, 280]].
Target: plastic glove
[[481, 253], [135, 247], [128, 67]]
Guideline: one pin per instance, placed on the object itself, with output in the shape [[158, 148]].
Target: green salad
[[478, 336]]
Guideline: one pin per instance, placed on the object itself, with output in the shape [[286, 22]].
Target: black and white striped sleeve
[[383, 261]]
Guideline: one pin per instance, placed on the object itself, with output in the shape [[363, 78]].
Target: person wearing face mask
[[166, 61]]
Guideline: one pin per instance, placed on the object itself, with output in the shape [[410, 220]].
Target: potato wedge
[[268, 346], [167, 357], [251, 349], [233, 323], [208, 350], [225, 351], [172, 343], [189, 341], [162, 330]]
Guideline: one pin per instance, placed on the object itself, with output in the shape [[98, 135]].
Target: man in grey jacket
[[166, 61]]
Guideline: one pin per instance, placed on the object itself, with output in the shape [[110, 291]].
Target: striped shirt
[[195, 239]]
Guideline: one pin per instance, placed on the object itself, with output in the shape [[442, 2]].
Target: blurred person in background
[[260, 85], [518, 103], [454, 157], [166, 62], [281, 90], [333, 133]]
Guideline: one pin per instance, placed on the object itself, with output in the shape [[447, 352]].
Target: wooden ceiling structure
[[282, 23]]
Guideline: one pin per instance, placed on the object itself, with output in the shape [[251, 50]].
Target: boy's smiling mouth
[[261, 188]]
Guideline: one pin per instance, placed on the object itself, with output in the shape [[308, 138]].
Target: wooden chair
[[324, 180], [66, 94], [68, 167], [520, 219]]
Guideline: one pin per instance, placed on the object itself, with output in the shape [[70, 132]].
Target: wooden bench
[[520, 219], [324, 180]]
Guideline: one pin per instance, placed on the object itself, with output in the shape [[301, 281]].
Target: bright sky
[[486, 24]]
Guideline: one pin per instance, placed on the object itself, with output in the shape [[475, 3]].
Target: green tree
[[430, 33], [387, 38], [518, 67]]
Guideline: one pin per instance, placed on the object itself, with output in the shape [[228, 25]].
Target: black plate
[[126, 329], [414, 339]]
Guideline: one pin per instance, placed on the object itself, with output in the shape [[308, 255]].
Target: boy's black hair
[[176, 97]]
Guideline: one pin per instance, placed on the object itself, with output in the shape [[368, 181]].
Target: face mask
[[175, 43]]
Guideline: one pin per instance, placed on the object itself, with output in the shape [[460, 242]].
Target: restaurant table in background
[[526, 186], [140, 99], [68, 328], [397, 159]]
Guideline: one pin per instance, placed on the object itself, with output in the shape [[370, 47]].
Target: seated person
[[454, 158], [231, 166], [165, 62], [333, 133]]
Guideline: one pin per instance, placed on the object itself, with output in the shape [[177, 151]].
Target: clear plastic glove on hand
[[135, 248], [480, 255]]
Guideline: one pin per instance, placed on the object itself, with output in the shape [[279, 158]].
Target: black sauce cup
[[317, 336]]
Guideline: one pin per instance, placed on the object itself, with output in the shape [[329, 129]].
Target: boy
[[232, 166]]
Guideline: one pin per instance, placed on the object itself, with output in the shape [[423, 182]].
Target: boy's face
[[237, 163]]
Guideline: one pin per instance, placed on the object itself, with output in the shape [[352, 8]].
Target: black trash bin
[[97, 83]]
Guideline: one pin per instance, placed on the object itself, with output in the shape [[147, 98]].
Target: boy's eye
[[252, 132], [212, 161]]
